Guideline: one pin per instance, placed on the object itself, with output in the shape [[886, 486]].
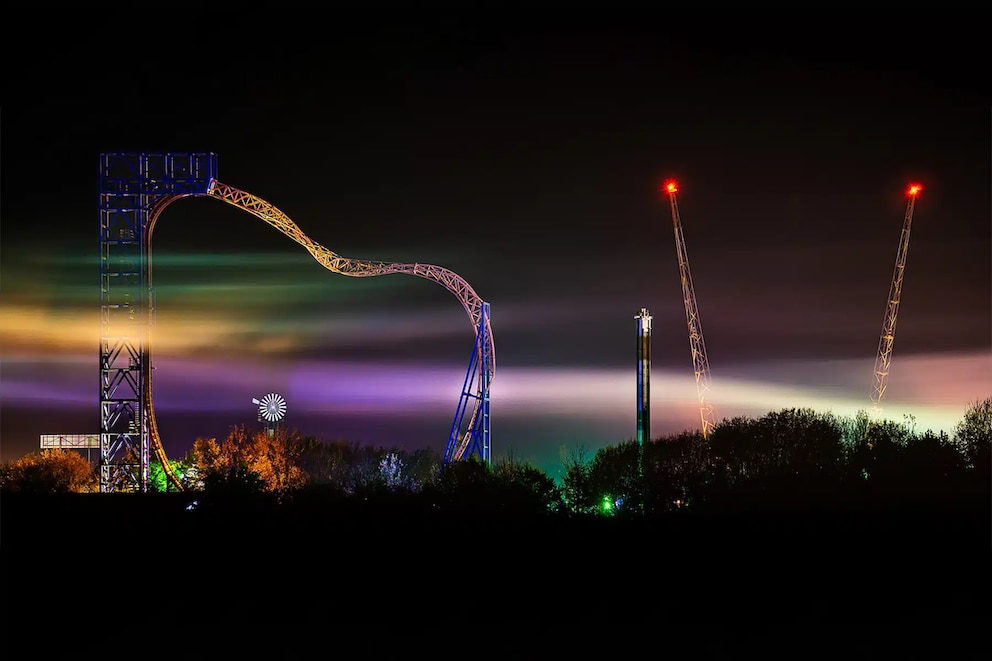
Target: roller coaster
[[135, 188]]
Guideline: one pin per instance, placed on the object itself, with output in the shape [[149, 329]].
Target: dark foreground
[[144, 577]]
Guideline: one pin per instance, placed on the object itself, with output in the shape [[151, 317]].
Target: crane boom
[[700, 364], [888, 335]]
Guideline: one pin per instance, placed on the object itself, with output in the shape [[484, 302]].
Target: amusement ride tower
[[643, 376], [697, 348], [885, 341]]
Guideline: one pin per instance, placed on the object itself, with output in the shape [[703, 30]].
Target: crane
[[888, 335], [700, 365]]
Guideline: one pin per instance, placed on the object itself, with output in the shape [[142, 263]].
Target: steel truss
[[134, 190]]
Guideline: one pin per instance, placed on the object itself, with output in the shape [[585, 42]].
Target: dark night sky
[[524, 155]]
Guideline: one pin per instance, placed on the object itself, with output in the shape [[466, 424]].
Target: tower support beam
[[474, 441]]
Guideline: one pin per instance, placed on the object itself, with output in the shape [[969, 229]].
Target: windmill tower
[[271, 409]]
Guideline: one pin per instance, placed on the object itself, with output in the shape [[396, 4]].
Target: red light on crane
[[671, 187], [914, 189]]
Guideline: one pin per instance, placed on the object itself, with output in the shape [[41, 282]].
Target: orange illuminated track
[[330, 260]]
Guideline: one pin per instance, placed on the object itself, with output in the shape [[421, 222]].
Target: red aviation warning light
[[670, 187], [914, 190]]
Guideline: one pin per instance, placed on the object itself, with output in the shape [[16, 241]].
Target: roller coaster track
[[357, 268]]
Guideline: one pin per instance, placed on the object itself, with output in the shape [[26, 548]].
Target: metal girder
[[473, 440], [697, 348], [888, 335], [133, 189]]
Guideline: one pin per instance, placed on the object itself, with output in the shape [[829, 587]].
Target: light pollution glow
[[934, 389], [215, 361]]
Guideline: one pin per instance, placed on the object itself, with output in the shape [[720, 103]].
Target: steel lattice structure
[[475, 440], [700, 364], [135, 188], [888, 334]]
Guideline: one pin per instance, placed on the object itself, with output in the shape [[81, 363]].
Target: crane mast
[[888, 335], [700, 364]]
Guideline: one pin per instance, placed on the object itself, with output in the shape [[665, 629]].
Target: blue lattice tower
[[475, 440], [134, 189]]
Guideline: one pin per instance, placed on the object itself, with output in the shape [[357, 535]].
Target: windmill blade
[[272, 407]]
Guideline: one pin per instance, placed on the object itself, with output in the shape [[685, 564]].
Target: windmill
[[271, 409]]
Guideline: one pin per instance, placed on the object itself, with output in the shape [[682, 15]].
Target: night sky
[[525, 156]]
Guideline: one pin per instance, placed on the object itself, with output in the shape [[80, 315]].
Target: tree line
[[789, 459]]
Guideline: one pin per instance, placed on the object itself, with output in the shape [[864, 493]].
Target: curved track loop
[[155, 439], [358, 268]]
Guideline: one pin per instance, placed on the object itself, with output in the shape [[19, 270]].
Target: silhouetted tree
[[729, 463], [330, 463], [614, 478], [854, 429], [931, 469], [873, 463], [366, 474], [526, 489], [423, 465], [238, 480], [462, 486], [675, 470], [974, 435], [575, 487], [805, 458]]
